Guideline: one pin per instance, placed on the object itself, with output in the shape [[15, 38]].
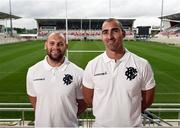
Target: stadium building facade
[[171, 25], [79, 28], [6, 16]]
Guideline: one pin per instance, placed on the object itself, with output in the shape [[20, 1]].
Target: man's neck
[[116, 55], [54, 63]]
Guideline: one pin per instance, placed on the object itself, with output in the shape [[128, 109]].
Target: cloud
[[25, 23], [137, 9]]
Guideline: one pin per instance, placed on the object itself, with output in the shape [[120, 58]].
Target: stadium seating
[[78, 34], [4, 39], [171, 32]]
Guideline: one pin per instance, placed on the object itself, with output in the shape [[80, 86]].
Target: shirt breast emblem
[[67, 79], [131, 73]]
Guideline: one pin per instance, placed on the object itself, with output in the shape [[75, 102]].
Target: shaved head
[[56, 35], [114, 20]]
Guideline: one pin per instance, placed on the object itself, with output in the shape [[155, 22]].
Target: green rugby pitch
[[17, 57]]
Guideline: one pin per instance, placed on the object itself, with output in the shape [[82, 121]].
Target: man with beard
[[118, 84], [54, 86]]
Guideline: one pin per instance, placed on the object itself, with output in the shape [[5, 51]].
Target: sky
[[146, 12]]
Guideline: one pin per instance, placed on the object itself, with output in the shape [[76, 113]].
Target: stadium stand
[[78, 29], [7, 16], [1, 28], [171, 31], [86, 29], [6, 39], [4, 36]]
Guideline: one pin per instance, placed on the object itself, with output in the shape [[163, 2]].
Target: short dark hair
[[117, 21]]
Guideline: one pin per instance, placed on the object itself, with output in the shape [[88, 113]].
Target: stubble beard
[[114, 47], [56, 57]]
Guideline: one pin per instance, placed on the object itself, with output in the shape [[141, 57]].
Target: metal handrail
[[165, 105], [15, 104], [164, 109], [146, 117], [18, 107], [156, 117], [153, 105], [89, 109]]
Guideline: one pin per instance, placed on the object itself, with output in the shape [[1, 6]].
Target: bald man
[[54, 86]]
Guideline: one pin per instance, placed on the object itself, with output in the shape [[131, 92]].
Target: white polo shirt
[[56, 90], [117, 89]]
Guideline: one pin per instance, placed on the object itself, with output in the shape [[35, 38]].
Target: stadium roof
[[173, 17], [7, 16]]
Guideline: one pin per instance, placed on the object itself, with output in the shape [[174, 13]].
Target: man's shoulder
[[75, 67], [97, 59], [37, 65], [138, 58]]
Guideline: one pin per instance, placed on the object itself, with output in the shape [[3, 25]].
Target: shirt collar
[[107, 59], [61, 67]]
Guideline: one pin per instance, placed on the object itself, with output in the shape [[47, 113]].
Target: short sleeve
[[29, 84], [148, 78], [87, 79]]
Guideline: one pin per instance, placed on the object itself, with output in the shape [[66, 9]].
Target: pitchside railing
[[149, 119]]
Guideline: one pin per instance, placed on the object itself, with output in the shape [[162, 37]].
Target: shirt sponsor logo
[[98, 74], [131, 73], [67, 79], [37, 79]]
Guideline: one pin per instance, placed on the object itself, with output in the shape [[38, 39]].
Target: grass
[[163, 58], [165, 62], [15, 59]]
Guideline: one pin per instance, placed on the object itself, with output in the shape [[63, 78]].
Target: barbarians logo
[[67, 79], [131, 73]]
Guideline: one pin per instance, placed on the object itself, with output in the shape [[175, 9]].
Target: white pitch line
[[13, 72], [12, 93], [175, 93], [85, 51]]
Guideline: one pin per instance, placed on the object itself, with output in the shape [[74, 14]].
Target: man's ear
[[124, 34], [45, 45]]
